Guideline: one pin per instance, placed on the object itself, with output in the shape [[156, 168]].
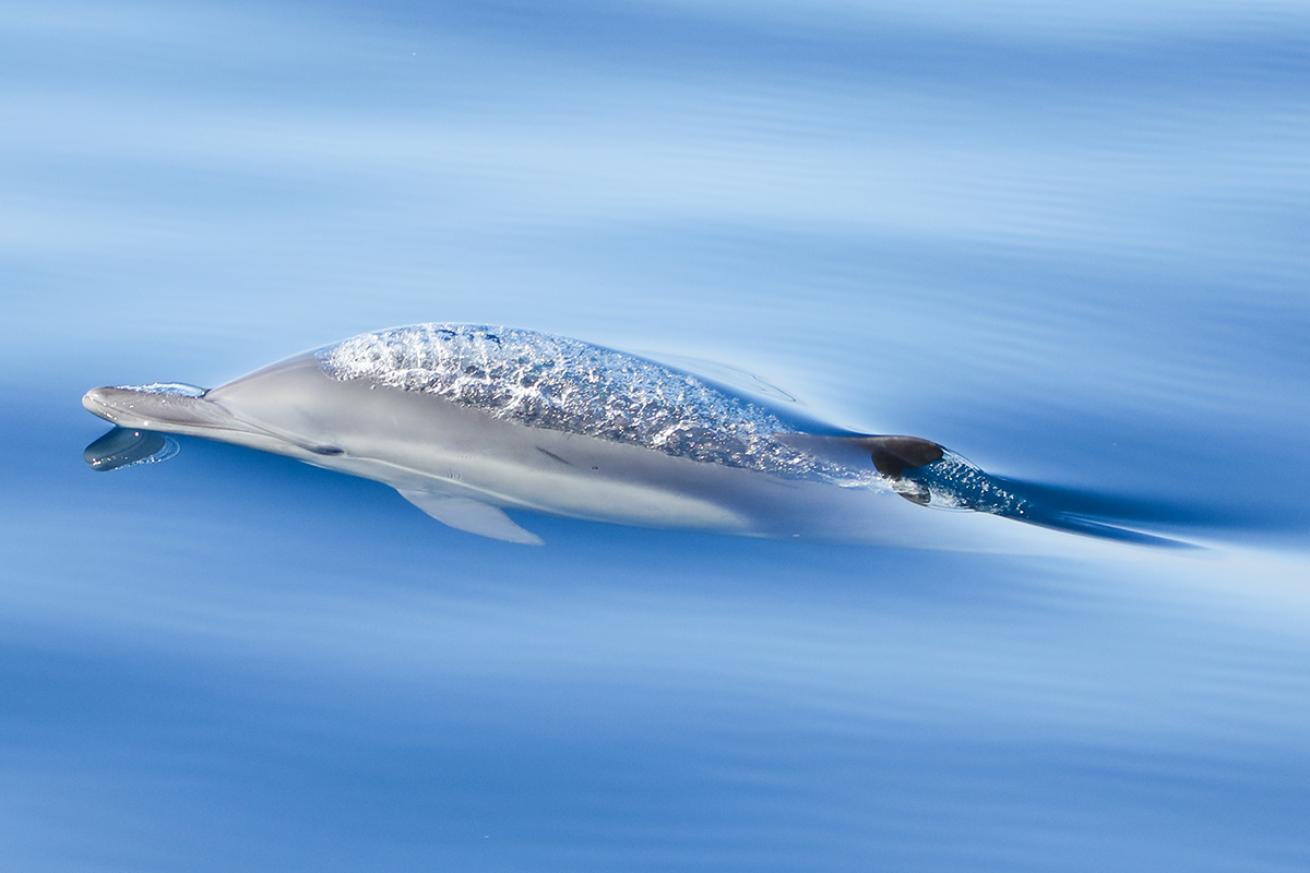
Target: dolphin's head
[[174, 407]]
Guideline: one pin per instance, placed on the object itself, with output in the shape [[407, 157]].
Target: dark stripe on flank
[[554, 456]]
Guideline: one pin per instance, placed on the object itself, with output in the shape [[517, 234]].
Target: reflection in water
[[122, 447]]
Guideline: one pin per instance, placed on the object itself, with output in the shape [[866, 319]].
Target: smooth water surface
[[1065, 240]]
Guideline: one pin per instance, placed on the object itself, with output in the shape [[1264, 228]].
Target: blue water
[[1067, 241]]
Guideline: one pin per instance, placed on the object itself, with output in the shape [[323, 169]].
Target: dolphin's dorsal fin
[[893, 455], [471, 516]]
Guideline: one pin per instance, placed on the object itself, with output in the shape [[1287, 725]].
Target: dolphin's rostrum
[[466, 421]]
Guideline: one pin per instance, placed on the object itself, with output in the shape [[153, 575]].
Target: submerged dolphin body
[[466, 421]]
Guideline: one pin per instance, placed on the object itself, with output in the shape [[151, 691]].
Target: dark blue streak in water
[[1065, 241]]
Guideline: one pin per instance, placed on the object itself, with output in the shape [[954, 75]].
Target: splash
[[952, 482]]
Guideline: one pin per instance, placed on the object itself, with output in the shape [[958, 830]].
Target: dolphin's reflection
[[124, 447]]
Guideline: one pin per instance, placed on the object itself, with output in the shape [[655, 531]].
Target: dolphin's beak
[[100, 402], [159, 406], [127, 407]]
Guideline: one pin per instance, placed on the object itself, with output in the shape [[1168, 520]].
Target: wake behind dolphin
[[466, 421]]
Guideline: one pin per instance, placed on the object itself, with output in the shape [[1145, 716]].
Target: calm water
[[1067, 241]]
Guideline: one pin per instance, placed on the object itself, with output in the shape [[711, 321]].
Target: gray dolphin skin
[[468, 421]]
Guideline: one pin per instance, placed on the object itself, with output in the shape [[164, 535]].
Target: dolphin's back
[[545, 381]]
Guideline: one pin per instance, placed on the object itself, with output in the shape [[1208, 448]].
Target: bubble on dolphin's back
[[568, 385], [176, 389]]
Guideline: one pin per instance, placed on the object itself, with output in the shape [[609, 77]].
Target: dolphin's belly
[[598, 497], [564, 474]]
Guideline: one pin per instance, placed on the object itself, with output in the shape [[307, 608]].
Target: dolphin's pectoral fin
[[471, 516]]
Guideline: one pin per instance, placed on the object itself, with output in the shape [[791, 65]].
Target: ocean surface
[[1067, 240]]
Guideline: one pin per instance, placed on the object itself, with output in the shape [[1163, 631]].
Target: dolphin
[[470, 421]]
